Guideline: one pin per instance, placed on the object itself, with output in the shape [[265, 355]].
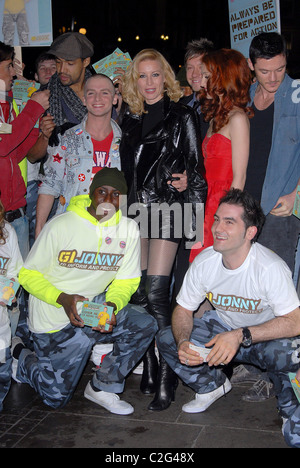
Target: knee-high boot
[[157, 288], [167, 382], [150, 363], [148, 383]]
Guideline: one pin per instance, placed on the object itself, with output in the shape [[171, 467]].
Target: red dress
[[218, 166]]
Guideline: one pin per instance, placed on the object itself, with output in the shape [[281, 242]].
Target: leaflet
[[8, 290], [96, 315], [295, 385], [23, 90], [296, 209], [108, 65]]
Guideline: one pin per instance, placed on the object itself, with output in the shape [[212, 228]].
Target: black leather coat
[[173, 146]]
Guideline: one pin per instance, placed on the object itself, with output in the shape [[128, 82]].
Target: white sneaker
[[100, 350], [109, 401], [14, 369], [138, 369], [284, 421], [203, 400]]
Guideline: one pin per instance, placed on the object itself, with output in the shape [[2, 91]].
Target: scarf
[[61, 97], [60, 94]]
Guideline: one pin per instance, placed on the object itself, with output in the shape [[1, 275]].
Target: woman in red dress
[[224, 98]]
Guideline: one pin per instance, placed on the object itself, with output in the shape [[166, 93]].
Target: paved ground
[[27, 423]]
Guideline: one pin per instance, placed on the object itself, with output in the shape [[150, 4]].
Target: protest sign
[[248, 18], [26, 23]]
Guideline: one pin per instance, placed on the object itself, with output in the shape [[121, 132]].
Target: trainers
[[138, 369], [260, 391], [203, 400], [284, 421], [100, 350], [242, 375], [110, 401], [16, 340]]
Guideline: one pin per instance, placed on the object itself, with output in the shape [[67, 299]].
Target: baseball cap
[[71, 46]]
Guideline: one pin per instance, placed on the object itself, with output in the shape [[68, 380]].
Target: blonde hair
[[130, 92]]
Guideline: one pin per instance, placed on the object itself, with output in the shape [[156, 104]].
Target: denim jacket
[[68, 170], [283, 168]]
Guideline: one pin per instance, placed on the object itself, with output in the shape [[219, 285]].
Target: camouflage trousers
[[277, 357], [5, 376], [8, 28], [291, 429], [58, 360]]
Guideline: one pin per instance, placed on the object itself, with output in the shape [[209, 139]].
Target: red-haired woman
[[224, 98]]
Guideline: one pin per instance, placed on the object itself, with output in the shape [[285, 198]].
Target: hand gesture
[[19, 68], [69, 301], [284, 206], [225, 346], [179, 181], [188, 356], [118, 80], [47, 125], [42, 97]]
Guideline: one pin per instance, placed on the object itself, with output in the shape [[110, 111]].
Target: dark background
[[182, 21]]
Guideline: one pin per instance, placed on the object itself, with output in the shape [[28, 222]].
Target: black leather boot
[[157, 288], [167, 383], [150, 364], [150, 371], [140, 295]]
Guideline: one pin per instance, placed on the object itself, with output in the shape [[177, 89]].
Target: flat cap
[[71, 46]]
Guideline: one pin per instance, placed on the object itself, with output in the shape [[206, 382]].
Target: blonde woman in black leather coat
[[162, 161]]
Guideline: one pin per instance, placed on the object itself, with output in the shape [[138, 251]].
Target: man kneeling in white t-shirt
[[90, 250], [256, 316]]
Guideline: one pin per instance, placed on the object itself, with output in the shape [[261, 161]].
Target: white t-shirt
[[259, 290], [10, 264], [78, 256]]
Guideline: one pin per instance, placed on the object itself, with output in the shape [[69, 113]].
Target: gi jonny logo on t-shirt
[[234, 303], [3, 265], [89, 260]]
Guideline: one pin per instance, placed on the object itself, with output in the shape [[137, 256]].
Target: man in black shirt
[[273, 167]]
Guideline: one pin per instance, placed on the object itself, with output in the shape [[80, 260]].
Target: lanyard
[[4, 98]]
